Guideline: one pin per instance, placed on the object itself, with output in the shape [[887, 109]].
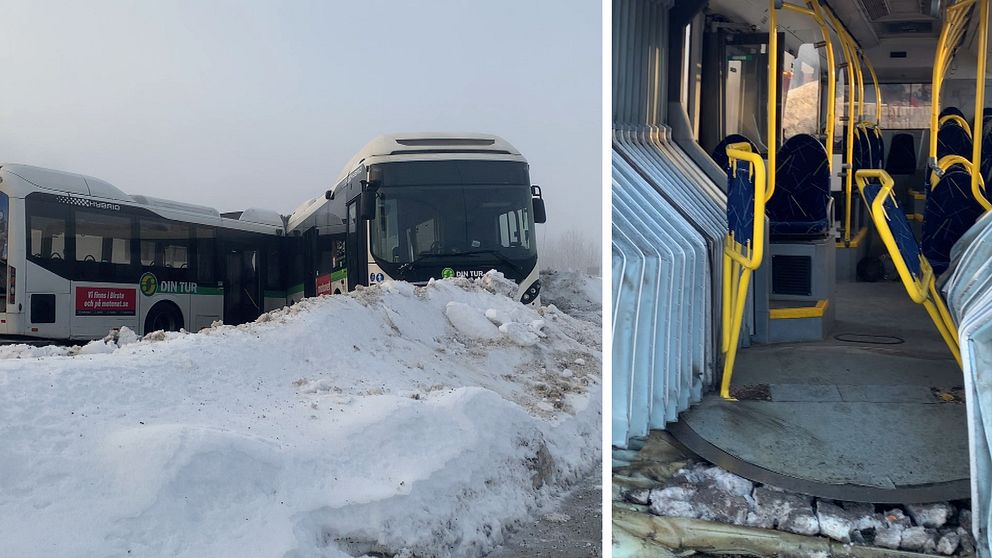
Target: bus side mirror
[[540, 213], [366, 205]]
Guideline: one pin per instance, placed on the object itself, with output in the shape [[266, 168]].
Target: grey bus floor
[[851, 417]]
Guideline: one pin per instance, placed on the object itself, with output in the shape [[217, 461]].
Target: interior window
[[801, 90]]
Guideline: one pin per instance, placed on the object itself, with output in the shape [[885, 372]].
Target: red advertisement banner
[[324, 284], [105, 301]]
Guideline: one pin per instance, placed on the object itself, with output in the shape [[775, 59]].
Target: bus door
[[311, 269], [241, 288], [357, 257]]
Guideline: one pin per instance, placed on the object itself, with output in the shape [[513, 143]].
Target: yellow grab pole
[[737, 282], [878, 92], [773, 78], [849, 155], [949, 36], [976, 144], [831, 82]]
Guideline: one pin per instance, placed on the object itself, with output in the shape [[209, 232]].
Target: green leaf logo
[[447, 273]]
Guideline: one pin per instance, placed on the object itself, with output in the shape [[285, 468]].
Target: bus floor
[[872, 413]]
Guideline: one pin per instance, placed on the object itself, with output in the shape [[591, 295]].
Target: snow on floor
[[395, 420]]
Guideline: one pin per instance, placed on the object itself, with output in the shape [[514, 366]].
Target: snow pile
[[578, 294], [392, 421]]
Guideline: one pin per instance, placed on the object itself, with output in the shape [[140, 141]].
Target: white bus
[[418, 206], [80, 257]]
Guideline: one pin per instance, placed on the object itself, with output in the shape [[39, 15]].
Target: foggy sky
[[235, 104]]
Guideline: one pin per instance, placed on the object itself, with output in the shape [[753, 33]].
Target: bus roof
[[412, 146], [81, 185]]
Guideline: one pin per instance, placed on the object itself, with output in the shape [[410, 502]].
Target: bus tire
[[164, 316]]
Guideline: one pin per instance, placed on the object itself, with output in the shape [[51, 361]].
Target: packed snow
[[577, 294], [393, 421]]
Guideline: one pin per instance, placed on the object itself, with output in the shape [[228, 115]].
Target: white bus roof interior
[[898, 36]]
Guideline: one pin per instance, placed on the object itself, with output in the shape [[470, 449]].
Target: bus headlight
[[531, 293]]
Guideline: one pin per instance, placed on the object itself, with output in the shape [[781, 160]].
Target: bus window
[[47, 237], [103, 238], [801, 93], [205, 244], [164, 244], [339, 253], [273, 268], [513, 229]]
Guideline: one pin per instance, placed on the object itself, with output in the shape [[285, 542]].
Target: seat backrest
[[898, 224], [950, 110], [952, 139], [862, 149], [740, 201], [949, 212], [902, 155], [798, 207], [719, 154], [987, 157], [877, 147]]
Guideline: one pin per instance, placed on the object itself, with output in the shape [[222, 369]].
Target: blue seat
[[909, 249], [798, 208], [719, 154], [950, 211], [877, 147], [986, 157], [862, 150], [950, 110], [740, 190], [902, 155], [952, 139]]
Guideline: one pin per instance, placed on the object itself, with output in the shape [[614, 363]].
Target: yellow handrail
[[950, 34], [976, 144], [739, 261], [977, 180], [773, 78], [878, 92], [958, 119], [849, 147], [831, 81], [922, 290]]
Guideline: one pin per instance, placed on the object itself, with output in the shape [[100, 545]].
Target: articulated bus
[[801, 242], [81, 257], [417, 206]]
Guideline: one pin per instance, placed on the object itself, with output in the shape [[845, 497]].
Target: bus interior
[[790, 181]]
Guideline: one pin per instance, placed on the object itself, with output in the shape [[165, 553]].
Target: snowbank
[[395, 420], [577, 294]]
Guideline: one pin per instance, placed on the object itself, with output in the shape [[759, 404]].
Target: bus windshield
[[461, 209]]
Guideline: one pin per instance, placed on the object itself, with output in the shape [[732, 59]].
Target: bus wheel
[[165, 316]]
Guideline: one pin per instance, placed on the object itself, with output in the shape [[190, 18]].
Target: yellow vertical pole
[[831, 82], [976, 153], [878, 92], [849, 155], [773, 79]]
